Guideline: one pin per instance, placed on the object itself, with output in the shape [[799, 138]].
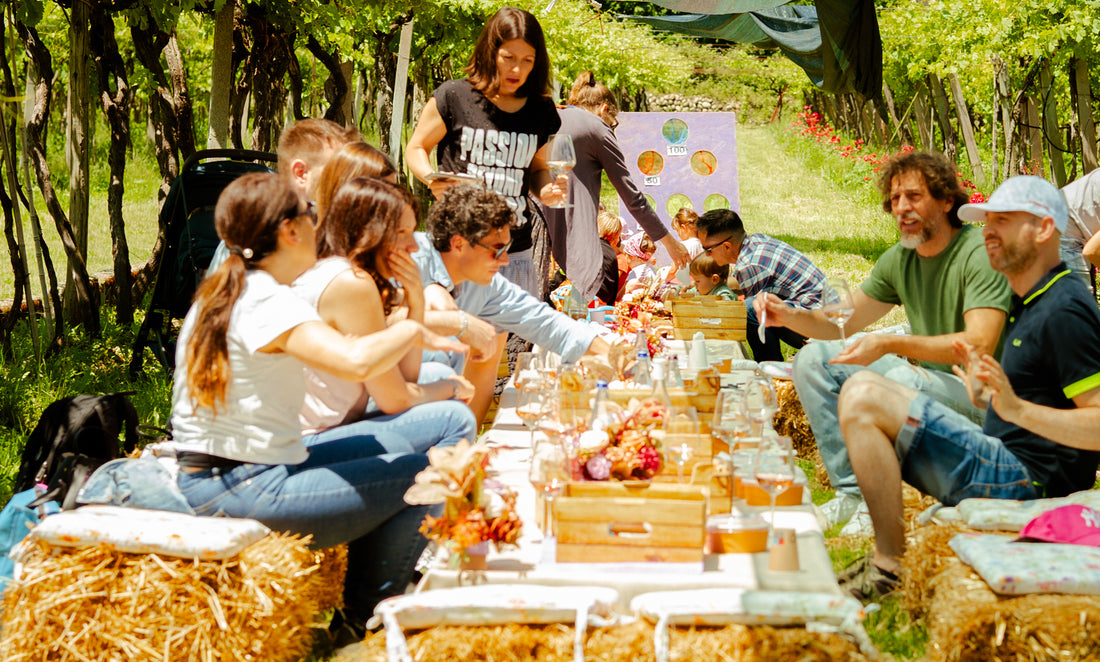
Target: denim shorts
[[944, 454]]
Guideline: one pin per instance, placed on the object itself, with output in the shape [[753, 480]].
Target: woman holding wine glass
[[494, 124], [590, 119]]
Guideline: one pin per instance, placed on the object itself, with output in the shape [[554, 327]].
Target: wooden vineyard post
[[967, 130], [923, 119], [1050, 125], [1083, 105], [1001, 76], [1035, 138], [950, 138]]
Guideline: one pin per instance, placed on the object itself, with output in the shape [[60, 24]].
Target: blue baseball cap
[[1034, 195]]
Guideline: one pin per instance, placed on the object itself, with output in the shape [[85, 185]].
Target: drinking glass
[[548, 473], [531, 405], [836, 303], [681, 429], [526, 370], [761, 403], [560, 158], [773, 468]]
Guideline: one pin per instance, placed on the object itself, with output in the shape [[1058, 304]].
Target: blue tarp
[[836, 42]]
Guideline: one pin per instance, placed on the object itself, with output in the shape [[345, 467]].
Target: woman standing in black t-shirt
[[494, 125]]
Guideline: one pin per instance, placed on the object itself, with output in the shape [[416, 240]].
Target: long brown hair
[[248, 216], [355, 159], [507, 24], [361, 225]]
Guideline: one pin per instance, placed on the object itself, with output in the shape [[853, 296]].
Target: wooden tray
[[610, 521], [718, 319]]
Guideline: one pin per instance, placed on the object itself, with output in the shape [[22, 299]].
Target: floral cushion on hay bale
[[1018, 568]]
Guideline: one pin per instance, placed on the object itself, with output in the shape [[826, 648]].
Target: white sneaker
[[839, 509], [860, 524]]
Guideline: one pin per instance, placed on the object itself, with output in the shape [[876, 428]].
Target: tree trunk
[[87, 302], [950, 139], [221, 78], [385, 66], [899, 128], [267, 64], [149, 41], [79, 139], [111, 73], [1079, 76], [51, 297], [181, 98], [336, 85], [1050, 124], [967, 130]]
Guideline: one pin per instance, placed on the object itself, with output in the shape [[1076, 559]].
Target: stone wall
[[678, 103]]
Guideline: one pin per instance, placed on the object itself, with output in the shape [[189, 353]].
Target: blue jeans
[[769, 350], [414, 430], [345, 492], [944, 454], [1070, 251], [818, 384]]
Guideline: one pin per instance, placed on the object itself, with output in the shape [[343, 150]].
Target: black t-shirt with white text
[[497, 146]]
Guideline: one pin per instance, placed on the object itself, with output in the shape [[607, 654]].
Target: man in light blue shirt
[[459, 258]]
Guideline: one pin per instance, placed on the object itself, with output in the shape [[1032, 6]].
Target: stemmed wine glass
[[761, 403], [531, 405], [561, 157], [548, 473], [836, 300], [773, 468], [728, 425]]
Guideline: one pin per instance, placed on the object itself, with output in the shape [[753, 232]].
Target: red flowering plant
[[624, 448], [476, 508]]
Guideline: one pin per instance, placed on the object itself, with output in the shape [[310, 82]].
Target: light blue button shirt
[[508, 307]]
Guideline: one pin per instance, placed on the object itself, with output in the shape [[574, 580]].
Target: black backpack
[[72, 439]]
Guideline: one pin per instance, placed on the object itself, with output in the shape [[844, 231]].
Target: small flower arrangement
[[626, 448], [476, 508]]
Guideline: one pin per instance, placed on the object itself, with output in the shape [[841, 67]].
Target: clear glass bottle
[[601, 415], [642, 370], [659, 394], [675, 379]]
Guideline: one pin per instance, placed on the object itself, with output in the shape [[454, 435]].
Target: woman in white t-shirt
[[239, 388], [365, 240]]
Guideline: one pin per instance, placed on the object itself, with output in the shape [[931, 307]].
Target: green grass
[[140, 210]]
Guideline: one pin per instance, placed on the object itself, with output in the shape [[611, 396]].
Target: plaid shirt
[[766, 264]]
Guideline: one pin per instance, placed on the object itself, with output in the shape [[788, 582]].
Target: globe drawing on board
[[675, 131], [715, 201], [650, 163], [704, 163], [675, 202]]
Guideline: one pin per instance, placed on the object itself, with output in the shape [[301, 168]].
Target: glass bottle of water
[[601, 415]]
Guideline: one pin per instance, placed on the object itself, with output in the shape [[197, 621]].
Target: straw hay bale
[[634, 642], [968, 621], [332, 567], [790, 420], [95, 603], [927, 554]]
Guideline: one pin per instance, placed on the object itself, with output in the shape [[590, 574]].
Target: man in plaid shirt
[[762, 264]]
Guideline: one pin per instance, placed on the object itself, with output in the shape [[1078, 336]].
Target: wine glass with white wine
[[560, 158], [836, 303], [773, 468]]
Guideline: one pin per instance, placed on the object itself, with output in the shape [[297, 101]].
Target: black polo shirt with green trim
[[1051, 354]]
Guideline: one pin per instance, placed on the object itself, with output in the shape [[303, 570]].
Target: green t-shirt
[[937, 290]]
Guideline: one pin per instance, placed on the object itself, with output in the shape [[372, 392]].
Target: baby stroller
[[190, 241]]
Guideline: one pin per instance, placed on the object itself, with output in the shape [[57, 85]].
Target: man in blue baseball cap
[[1042, 424]]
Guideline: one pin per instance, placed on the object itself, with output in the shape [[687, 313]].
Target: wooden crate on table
[[608, 521], [718, 319], [701, 451]]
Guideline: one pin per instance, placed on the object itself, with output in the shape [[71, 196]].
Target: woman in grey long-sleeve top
[[574, 238]]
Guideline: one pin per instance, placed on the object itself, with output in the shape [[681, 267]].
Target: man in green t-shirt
[[940, 272]]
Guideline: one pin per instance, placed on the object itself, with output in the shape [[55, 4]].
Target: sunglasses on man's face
[[497, 251]]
